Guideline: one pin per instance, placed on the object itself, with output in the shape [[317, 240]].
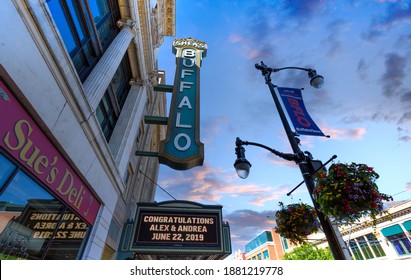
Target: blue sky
[[363, 50]]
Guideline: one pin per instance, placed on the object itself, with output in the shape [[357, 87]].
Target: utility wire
[[157, 185], [401, 192]]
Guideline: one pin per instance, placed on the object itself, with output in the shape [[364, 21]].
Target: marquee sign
[[293, 102], [182, 149], [176, 227]]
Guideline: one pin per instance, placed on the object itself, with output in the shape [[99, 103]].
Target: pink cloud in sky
[[210, 184], [261, 201], [213, 185], [279, 161], [251, 52], [343, 134], [235, 38]]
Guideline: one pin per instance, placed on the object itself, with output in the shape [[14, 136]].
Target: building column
[[100, 77], [128, 124]]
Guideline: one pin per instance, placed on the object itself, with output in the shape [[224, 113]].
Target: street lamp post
[[337, 246]]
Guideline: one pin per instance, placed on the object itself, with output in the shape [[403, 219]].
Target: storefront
[[46, 209]]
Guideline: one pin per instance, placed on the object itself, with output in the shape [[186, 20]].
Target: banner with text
[[293, 102], [176, 227]]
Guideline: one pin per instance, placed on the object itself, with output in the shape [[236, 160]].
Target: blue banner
[[293, 102]]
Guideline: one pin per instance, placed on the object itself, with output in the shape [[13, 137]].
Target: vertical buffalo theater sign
[[182, 149], [293, 102]]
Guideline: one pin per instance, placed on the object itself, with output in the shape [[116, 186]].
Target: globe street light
[[337, 246]]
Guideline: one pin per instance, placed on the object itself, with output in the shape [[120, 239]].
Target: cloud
[[303, 10], [278, 161], [406, 98], [246, 224], [212, 126], [394, 74], [405, 118], [333, 41], [371, 35], [404, 127], [405, 138], [265, 29], [397, 12], [345, 133], [211, 185], [362, 69], [235, 38]]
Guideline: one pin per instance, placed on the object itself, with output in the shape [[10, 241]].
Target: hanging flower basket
[[348, 192], [296, 221]]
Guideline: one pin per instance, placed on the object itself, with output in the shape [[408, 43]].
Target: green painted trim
[[156, 120], [392, 230], [146, 154], [407, 225], [164, 88]]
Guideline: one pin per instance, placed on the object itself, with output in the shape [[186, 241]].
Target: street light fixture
[[242, 165], [337, 246], [316, 81]]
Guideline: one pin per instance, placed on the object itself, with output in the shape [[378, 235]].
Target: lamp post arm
[[290, 157], [265, 69], [297, 68]]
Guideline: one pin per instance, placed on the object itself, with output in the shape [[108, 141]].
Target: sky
[[363, 51]]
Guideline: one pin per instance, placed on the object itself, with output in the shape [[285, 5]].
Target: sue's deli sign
[[182, 149], [21, 137]]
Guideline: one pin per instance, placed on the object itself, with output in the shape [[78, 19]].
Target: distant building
[[269, 245], [239, 255], [390, 240]]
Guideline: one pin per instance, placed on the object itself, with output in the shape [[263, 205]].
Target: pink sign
[[24, 140]]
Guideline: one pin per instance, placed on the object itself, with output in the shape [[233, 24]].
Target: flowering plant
[[348, 192], [296, 221]]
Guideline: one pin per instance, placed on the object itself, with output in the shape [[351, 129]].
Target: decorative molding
[[140, 82], [385, 218], [145, 36], [169, 18], [128, 23]]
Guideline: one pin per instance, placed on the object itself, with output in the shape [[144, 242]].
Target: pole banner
[[293, 102]]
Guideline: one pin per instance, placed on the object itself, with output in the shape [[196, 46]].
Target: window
[[284, 243], [105, 14], [355, 250], [401, 243], [265, 254], [366, 247], [120, 82], [398, 239], [108, 111], [375, 245], [33, 223], [106, 116], [366, 250], [87, 28]]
